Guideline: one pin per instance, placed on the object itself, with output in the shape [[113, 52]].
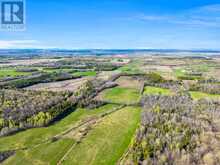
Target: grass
[[183, 74], [201, 68], [121, 95], [37, 135], [180, 72], [149, 90], [12, 73], [133, 67], [201, 95], [48, 153], [88, 73], [107, 142]]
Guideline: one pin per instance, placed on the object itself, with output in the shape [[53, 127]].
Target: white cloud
[[206, 16], [10, 44], [209, 8]]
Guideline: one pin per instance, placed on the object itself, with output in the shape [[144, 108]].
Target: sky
[[118, 24]]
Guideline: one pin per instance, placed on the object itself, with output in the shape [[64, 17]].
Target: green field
[[201, 95], [201, 68], [108, 140], [48, 153], [104, 145], [12, 73], [180, 72], [35, 136], [133, 67], [121, 95], [149, 90], [89, 73]]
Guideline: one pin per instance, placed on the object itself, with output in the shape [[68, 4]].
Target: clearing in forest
[[196, 95], [120, 95], [149, 90]]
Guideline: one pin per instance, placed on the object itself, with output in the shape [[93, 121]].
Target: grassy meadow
[[88, 73], [35, 136], [201, 95], [121, 95], [149, 90], [107, 142], [12, 73]]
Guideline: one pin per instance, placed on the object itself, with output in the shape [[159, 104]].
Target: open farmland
[[32, 137], [120, 95], [107, 142], [109, 82], [88, 73], [27, 62], [201, 95], [12, 73], [110, 110], [68, 85], [129, 82], [148, 90]]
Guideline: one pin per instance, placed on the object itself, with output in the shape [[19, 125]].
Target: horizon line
[[119, 49]]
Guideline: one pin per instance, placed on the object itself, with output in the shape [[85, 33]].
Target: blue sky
[[118, 24]]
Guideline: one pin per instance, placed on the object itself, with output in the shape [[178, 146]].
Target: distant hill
[[100, 52]]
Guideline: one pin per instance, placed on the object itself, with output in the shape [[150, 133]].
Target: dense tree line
[[79, 64], [84, 97], [41, 78], [170, 131], [21, 109], [154, 78], [27, 70], [25, 109], [212, 88]]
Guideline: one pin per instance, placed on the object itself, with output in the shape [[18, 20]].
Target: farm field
[[109, 110], [27, 62], [148, 90], [105, 75], [12, 73], [120, 95], [89, 73], [109, 82], [36, 136], [130, 116], [201, 95], [128, 82], [67, 85], [48, 153], [107, 142], [132, 67]]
